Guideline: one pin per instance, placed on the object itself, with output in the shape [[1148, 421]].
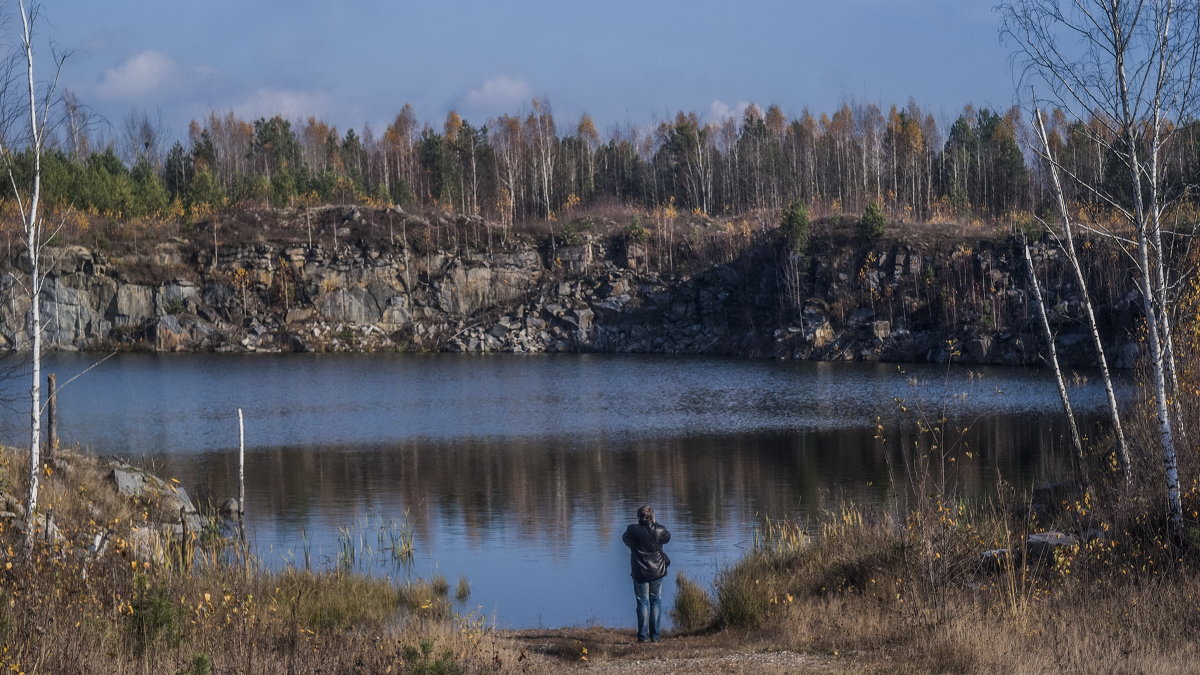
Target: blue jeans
[[649, 602]]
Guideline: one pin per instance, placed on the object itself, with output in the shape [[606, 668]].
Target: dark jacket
[[647, 561]]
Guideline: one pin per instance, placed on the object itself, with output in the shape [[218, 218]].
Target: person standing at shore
[[648, 565]]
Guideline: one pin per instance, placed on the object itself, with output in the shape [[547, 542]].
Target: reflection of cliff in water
[[544, 487]]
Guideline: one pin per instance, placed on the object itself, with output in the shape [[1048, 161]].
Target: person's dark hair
[[645, 515]]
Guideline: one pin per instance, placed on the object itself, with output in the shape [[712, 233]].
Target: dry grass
[[694, 609], [64, 611], [913, 591], [906, 593]]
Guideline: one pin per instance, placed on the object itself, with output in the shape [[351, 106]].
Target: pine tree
[[872, 225], [795, 227]]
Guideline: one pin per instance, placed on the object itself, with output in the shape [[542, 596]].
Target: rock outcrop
[[842, 301]]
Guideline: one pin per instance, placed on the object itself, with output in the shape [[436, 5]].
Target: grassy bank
[[905, 590], [198, 606], [916, 593]]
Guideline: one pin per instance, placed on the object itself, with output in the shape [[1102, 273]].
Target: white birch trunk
[[1150, 262], [1068, 240], [33, 243], [1052, 357], [1154, 325]]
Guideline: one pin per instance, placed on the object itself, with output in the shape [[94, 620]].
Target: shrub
[[439, 585], [422, 660], [636, 231], [572, 232], [872, 225], [463, 591], [744, 592], [201, 665], [795, 227], [694, 608], [424, 598], [154, 617]]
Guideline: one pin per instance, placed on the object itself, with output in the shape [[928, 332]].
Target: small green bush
[[201, 665], [795, 227], [421, 660], [636, 231], [572, 232], [155, 617], [694, 609], [872, 225]]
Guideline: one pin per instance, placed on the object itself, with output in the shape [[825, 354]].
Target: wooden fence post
[[52, 416]]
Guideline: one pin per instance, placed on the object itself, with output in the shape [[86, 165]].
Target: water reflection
[[520, 473], [524, 503]]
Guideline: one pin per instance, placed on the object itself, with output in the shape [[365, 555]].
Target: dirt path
[[606, 650]]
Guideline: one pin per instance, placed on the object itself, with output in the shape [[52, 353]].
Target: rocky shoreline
[[843, 300]]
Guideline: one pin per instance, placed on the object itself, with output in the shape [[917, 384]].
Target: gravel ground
[[605, 650]]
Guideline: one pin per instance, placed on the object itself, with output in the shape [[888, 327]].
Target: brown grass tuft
[[694, 609]]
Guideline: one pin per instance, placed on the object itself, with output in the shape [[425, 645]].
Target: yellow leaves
[[241, 278]]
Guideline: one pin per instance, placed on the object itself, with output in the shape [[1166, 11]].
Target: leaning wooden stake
[[51, 416], [185, 560]]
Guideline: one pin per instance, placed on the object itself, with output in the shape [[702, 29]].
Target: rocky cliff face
[[902, 302]]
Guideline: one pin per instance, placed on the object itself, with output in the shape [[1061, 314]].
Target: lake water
[[521, 472]]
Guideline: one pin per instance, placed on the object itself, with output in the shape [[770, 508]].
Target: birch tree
[[1133, 63], [590, 140], [1065, 235], [543, 140], [1081, 467], [29, 112], [510, 157]]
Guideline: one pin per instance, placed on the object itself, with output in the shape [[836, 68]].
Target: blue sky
[[623, 62]]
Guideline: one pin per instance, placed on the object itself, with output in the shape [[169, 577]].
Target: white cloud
[[719, 111], [292, 105], [141, 74], [499, 94]]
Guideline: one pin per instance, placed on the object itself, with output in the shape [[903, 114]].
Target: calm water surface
[[520, 472]]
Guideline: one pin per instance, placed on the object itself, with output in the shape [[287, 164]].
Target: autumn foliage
[[530, 166]]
